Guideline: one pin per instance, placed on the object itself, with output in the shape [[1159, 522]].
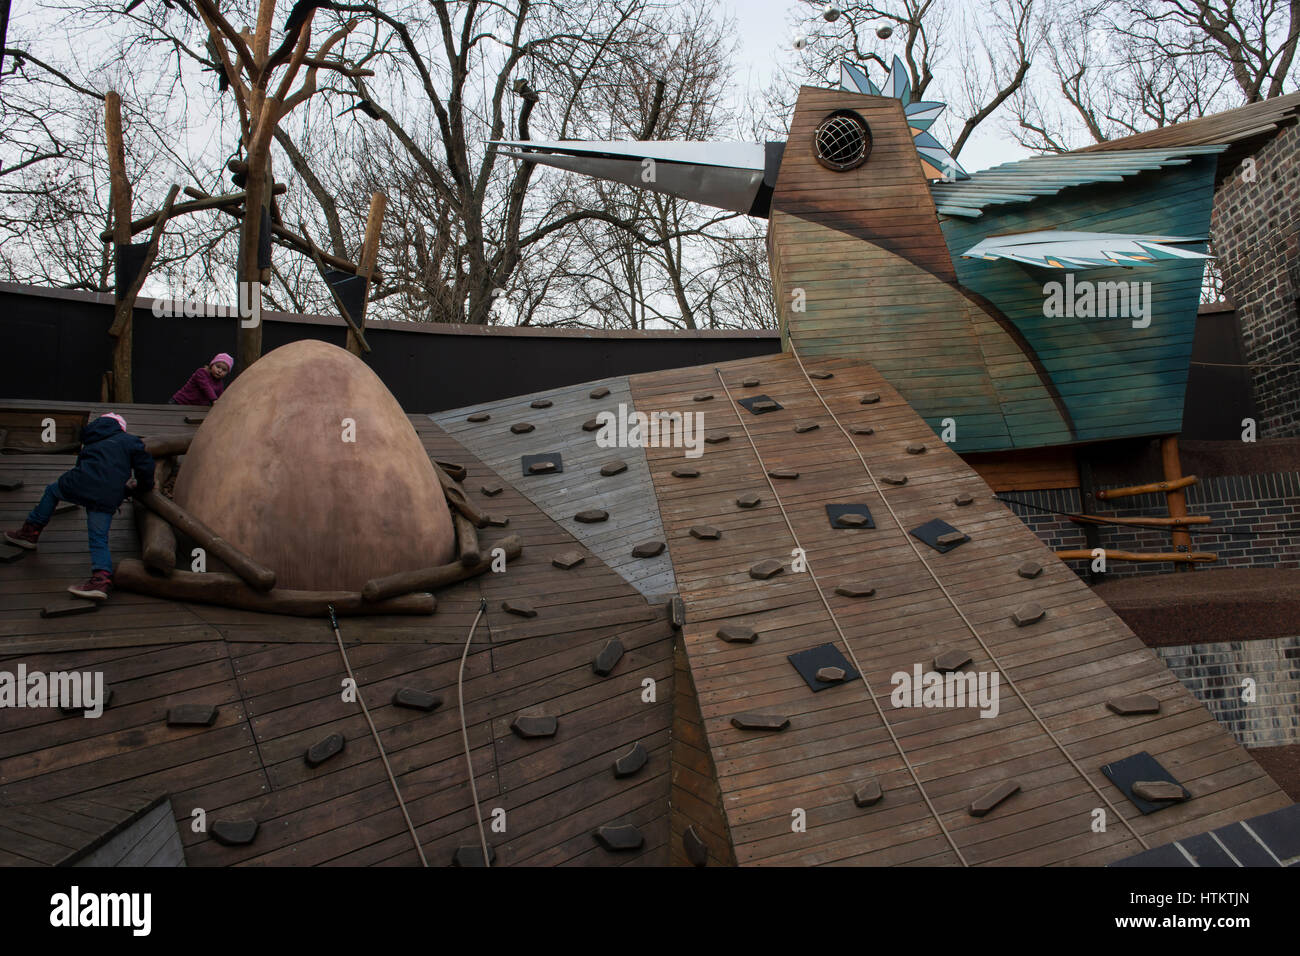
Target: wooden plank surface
[[1052, 732], [277, 681]]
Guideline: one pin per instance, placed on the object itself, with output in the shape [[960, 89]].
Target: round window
[[842, 141]]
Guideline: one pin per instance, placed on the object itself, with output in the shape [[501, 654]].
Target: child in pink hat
[[206, 384]]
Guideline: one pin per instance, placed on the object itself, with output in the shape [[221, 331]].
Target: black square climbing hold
[[835, 512], [932, 531], [809, 662], [552, 457], [763, 403], [1141, 766]]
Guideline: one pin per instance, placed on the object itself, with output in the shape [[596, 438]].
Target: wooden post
[[120, 198], [258, 576], [369, 256], [1088, 503], [1175, 496]]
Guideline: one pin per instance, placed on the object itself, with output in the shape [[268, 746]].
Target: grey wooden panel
[[628, 497], [150, 840]]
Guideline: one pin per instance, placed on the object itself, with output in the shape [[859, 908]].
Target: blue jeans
[[97, 525]]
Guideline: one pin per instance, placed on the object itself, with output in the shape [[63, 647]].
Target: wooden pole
[[1195, 557], [467, 547], [369, 256], [215, 587], [168, 446], [259, 577], [1164, 522], [120, 198], [157, 539], [426, 579], [1111, 493], [1177, 498]]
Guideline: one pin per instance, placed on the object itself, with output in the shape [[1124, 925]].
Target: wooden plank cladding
[[806, 794]]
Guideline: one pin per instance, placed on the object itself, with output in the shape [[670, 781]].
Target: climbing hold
[[600, 392], [753, 721], [194, 419], [591, 425], [716, 439], [831, 675], [1158, 791], [491, 490], [765, 569], [915, 448], [950, 538], [853, 520], [803, 427], [737, 634], [478, 417], [868, 794], [894, 479], [608, 657], [952, 660], [497, 521], [995, 796], [520, 607], [703, 397], [809, 663], [9, 552], [544, 464], [591, 516], [609, 469], [750, 383], [863, 430], [696, 852], [783, 473], [617, 839], [1027, 614], [1135, 704], [850, 516], [1030, 569], [568, 559], [939, 535], [69, 606], [748, 500], [855, 590], [705, 532], [632, 761], [534, 725], [233, 832], [648, 549], [821, 376], [677, 613], [322, 750], [758, 404], [10, 484], [191, 715], [686, 472], [472, 856], [415, 699], [870, 398], [521, 428], [963, 499], [541, 403]]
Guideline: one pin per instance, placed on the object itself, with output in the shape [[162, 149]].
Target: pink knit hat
[[116, 417], [223, 357]]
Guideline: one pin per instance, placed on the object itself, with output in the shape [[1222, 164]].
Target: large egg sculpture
[[308, 465]]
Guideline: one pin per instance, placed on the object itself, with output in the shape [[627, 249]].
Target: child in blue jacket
[[109, 457]]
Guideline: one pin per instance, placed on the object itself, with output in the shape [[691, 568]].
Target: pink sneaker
[[24, 537], [97, 588]]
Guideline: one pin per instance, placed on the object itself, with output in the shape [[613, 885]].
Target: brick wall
[[1261, 512], [1256, 236]]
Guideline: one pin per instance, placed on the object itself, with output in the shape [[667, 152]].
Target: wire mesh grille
[[842, 141]]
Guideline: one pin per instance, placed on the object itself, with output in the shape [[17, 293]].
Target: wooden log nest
[[251, 586]]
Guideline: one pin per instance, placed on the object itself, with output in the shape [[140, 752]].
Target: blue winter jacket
[[108, 457]]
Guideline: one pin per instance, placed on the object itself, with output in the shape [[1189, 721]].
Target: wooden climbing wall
[[1053, 731]]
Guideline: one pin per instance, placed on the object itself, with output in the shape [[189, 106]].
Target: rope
[[960, 613], [334, 623], [464, 731], [870, 693]]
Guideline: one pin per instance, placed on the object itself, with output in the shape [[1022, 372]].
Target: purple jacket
[[201, 389]]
